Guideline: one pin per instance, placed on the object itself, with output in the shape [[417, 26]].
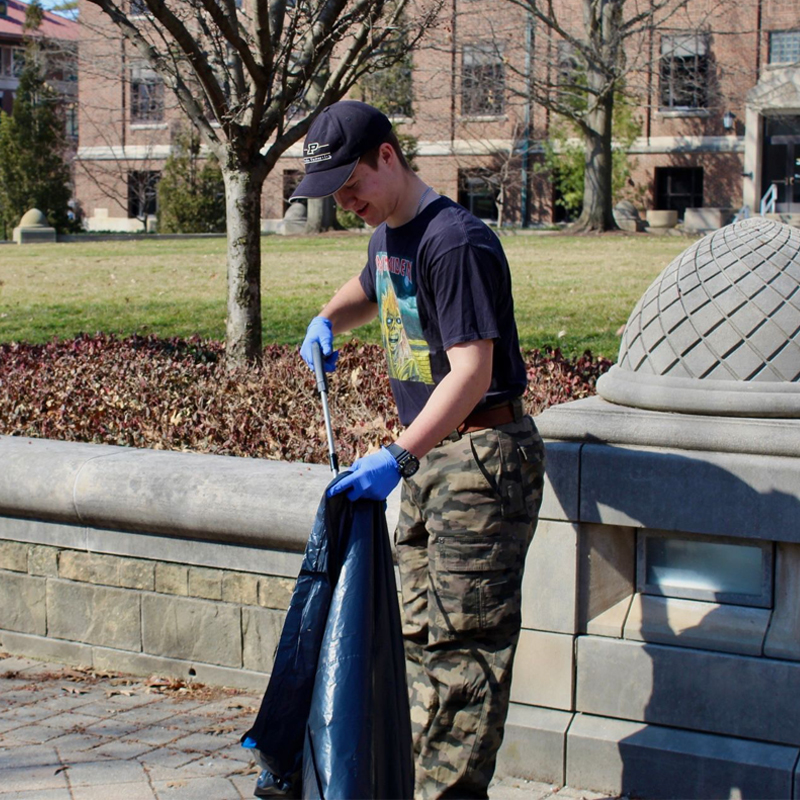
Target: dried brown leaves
[[175, 394]]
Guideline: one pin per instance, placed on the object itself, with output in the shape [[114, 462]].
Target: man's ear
[[386, 154]]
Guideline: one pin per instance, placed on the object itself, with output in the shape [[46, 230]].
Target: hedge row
[[175, 394]]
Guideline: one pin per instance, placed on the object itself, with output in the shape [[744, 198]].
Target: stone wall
[[150, 562], [140, 615], [181, 564], [618, 689]]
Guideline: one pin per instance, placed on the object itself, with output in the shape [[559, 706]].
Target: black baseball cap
[[337, 138]]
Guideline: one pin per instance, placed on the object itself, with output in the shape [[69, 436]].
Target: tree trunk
[[602, 20], [243, 208], [598, 210], [321, 214]]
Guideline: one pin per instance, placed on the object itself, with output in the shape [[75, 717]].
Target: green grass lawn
[[570, 291]]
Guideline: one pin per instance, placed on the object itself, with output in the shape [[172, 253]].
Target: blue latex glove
[[370, 478], [320, 330]]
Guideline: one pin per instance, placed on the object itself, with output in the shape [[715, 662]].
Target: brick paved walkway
[[69, 734]]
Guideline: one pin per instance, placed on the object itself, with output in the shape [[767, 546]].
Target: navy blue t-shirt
[[439, 280]]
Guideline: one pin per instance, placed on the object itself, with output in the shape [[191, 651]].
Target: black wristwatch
[[407, 462]]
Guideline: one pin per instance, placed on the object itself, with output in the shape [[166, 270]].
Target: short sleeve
[[367, 280], [466, 283]]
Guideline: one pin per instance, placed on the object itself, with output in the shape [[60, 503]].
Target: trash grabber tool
[[322, 388]]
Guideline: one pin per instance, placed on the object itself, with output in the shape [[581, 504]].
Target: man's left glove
[[370, 478]]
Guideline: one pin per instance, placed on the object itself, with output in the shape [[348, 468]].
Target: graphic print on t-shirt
[[406, 349]]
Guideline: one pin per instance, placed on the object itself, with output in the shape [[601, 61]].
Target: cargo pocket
[[501, 468], [475, 586]]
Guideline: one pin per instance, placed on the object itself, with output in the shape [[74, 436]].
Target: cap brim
[[323, 183]]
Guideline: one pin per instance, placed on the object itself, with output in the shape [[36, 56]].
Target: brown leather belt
[[487, 418]]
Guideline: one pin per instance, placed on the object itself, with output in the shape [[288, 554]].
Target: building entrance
[[781, 164]]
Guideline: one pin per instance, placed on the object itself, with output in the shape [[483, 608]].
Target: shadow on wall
[[723, 718]]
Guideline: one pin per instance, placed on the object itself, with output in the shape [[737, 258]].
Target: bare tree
[[251, 76], [599, 49]]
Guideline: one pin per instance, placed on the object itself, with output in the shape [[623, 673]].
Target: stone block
[[93, 614], [172, 579], [43, 560], [696, 220], [275, 592], [657, 218], [611, 622], [783, 637], [38, 476], [143, 664], [22, 603], [534, 744], [742, 494], [691, 623], [205, 583], [14, 556], [74, 565], [543, 670], [46, 649], [187, 552], [562, 471], [638, 760], [695, 689], [240, 587], [261, 630], [36, 531], [194, 630], [596, 419], [607, 559], [245, 500], [137, 574], [549, 585]]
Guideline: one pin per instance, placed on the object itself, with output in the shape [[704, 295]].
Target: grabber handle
[[322, 388], [319, 368]]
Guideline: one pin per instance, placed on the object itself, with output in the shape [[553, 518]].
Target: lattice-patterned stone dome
[[718, 331]]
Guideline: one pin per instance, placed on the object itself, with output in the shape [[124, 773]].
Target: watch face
[[409, 466], [407, 463]]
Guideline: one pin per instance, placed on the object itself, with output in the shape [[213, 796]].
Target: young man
[[472, 463]]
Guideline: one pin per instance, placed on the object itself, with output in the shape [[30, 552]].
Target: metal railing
[[742, 213], [768, 200]]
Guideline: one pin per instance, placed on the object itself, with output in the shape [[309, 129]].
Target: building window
[[476, 192], [12, 60], [684, 71], [679, 188], [138, 8], [707, 568], [71, 120], [3, 8], [147, 95], [483, 82], [142, 193], [784, 47]]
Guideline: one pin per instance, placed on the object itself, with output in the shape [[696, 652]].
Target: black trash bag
[[334, 722]]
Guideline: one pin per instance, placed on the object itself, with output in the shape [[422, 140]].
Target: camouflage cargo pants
[[466, 520]]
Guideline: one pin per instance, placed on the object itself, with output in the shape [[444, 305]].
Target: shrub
[[176, 394], [191, 192]]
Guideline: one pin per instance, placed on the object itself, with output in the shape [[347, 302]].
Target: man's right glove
[[320, 330], [371, 477]]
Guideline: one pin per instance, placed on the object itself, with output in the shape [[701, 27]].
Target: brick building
[[716, 87], [58, 37]]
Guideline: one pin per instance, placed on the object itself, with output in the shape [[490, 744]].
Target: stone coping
[[594, 420], [695, 396], [246, 501]]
